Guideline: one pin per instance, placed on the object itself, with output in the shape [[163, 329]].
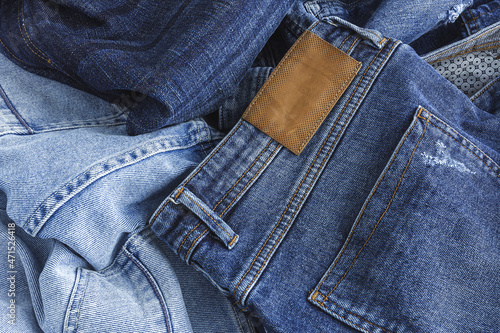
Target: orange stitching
[[186, 237], [307, 173], [352, 45], [475, 18], [473, 39], [232, 240], [497, 174], [21, 31], [386, 209], [345, 40], [194, 242], [27, 35], [198, 170], [246, 185], [246, 171], [355, 315], [179, 193], [383, 40], [334, 101], [361, 214], [469, 50], [12, 54], [485, 88], [227, 233]]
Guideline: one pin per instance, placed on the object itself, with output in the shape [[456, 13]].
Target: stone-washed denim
[[387, 221], [75, 194]]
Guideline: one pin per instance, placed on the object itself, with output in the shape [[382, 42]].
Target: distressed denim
[[75, 194], [387, 221]]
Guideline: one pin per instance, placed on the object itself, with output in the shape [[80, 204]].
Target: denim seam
[[194, 243], [22, 34], [352, 45], [485, 155], [356, 223], [340, 91], [12, 109], [307, 173], [191, 177], [266, 162], [154, 286], [474, 18], [388, 205], [204, 211], [484, 89], [322, 304], [246, 185], [243, 175], [137, 155], [467, 42], [72, 307]]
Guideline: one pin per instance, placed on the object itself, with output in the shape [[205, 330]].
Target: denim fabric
[[75, 194], [183, 57], [386, 222]]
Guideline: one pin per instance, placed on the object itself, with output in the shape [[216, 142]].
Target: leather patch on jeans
[[301, 91]]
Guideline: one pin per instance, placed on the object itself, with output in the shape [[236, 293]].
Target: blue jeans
[[75, 194], [387, 221]]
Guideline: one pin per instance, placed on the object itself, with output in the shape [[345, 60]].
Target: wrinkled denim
[[75, 193], [386, 222], [388, 219], [180, 58]]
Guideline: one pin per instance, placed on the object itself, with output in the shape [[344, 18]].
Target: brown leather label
[[301, 91]]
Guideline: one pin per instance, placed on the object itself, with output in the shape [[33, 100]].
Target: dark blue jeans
[[387, 221]]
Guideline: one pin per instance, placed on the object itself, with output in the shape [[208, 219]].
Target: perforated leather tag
[[301, 91]]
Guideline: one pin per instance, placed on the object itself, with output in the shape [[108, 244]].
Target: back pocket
[[423, 252]]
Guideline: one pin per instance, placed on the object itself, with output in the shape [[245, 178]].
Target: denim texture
[[386, 222], [181, 58], [75, 193]]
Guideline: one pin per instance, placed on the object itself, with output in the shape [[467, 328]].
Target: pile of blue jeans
[[250, 166]]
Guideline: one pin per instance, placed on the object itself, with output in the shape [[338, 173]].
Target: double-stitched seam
[[204, 211], [352, 45], [467, 42], [250, 181], [334, 100], [386, 209], [475, 48], [495, 172], [243, 175], [306, 175], [362, 212], [198, 170], [13, 110], [355, 315], [22, 34], [192, 245], [474, 18], [343, 42], [186, 237], [485, 88], [20, 13]]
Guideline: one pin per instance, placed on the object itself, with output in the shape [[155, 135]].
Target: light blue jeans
[[75, 193]]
